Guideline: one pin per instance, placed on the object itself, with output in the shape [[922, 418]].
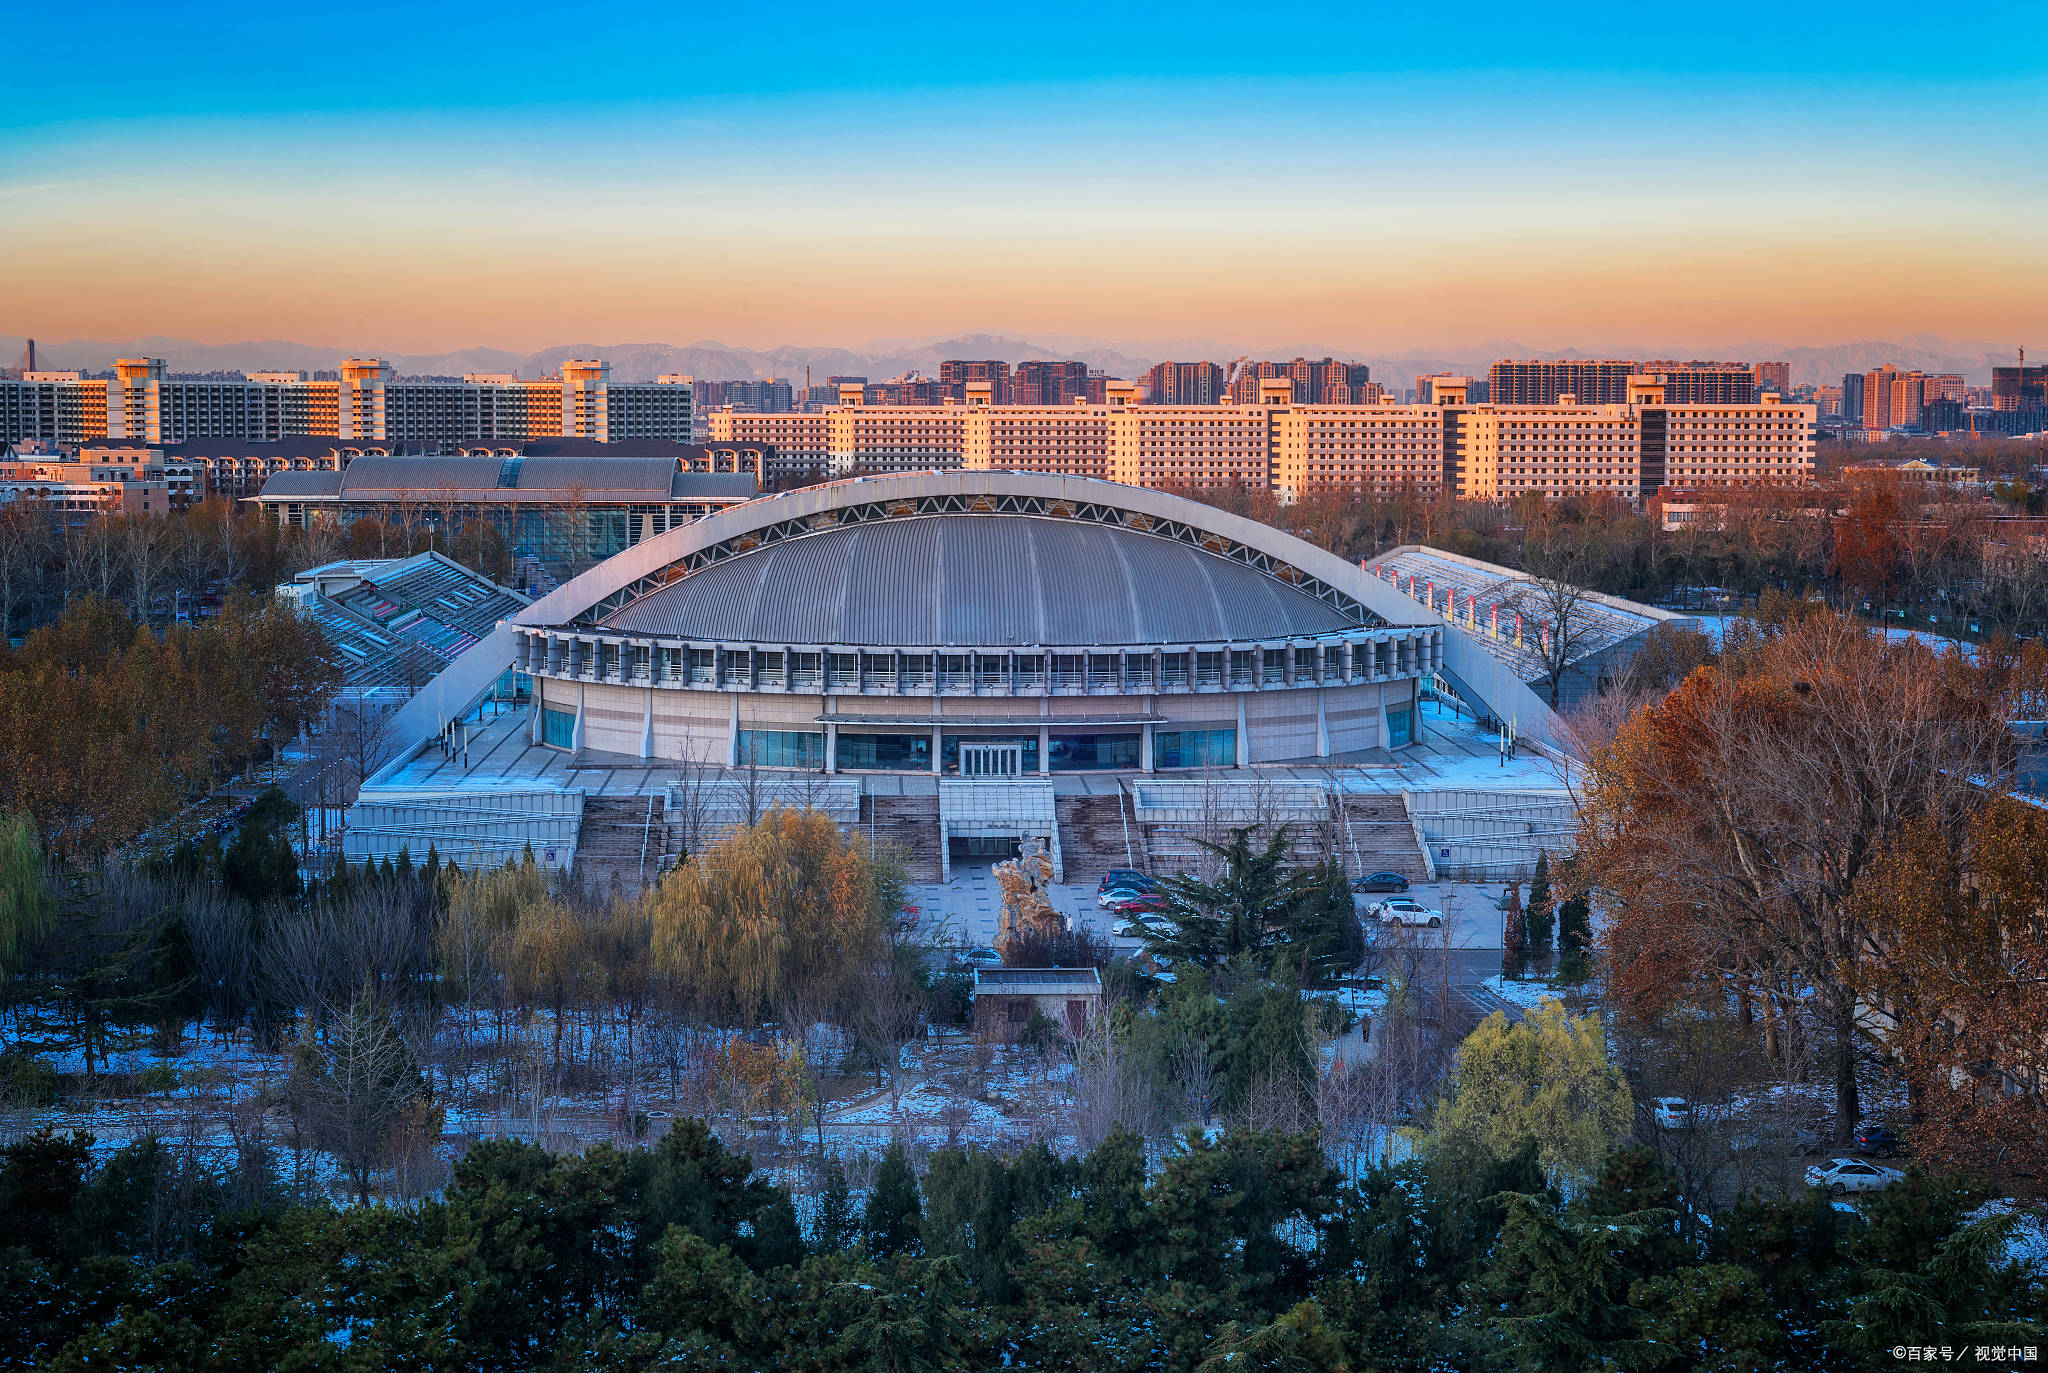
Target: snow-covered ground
[[1715, 626], [1528, 994]]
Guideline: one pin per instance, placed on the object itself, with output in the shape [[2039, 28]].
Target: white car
[[1136, 926], [1406, 910], [1845, 1175], [1672, 1113]]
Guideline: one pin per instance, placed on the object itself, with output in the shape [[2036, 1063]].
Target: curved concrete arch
[[451, 694]]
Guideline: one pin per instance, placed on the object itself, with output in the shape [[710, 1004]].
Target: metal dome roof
[[979, 581]]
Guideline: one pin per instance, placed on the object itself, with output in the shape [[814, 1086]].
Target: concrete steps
[[1092, 836], [1380, 837], [909, 827], [622, 843]]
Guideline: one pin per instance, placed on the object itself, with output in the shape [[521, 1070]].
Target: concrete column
[[831, 747], [1322, 725], [576, 737], [539, 705], [1044, 751], [647, 727], [1145, 748], [732, 730], [938, 741], [1244, 736]]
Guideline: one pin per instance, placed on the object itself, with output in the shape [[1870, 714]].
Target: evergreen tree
[[1539, 918], [261, 866], [1267, 1044], [1514, 950], [967, 1217], [1250, 907], [889, 1225], [837, 1227]]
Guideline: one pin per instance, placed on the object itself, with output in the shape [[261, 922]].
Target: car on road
[[1141, 903], [1845, 1175], [1406, 910], [983, 957], [1380, 881], [1877, 1139], [1140, 923], [1672, 1113]]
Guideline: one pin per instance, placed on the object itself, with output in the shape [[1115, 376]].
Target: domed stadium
[[954, 662], [987, 627]]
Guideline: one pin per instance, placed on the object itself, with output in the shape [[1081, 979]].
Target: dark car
[[1877, 1139], [1129, 878], [1380, 881]]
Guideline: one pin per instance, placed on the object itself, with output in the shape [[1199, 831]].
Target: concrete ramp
[[472, 827]]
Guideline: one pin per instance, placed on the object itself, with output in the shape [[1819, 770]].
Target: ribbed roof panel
[[979, 581]]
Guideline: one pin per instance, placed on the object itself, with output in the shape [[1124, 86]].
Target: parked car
[[1121, 884], [1672, 1113], [1139, 923], [1877, 1139], [1141, 901], [1844, 1175], [983, 957], [1406, 910], [1380, 881]]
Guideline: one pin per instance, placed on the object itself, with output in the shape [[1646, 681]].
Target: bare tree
[[25, 545], [1109, 1087], [352, 1090], [1559, 562]]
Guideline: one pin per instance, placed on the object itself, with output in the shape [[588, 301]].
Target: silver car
[[1844, 1175], [1406, 910]]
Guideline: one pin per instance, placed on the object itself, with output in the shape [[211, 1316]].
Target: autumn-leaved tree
[[1731, 825], [1961, 984], [786, 904]]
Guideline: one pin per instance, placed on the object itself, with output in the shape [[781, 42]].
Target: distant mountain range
[[713, 361]]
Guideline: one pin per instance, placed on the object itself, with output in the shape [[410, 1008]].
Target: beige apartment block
[[367, 404], [1488, 452]]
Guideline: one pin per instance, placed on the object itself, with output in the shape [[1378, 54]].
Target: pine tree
[[1514, 950], [1539, 918], [836, 1228], [891, 1220]]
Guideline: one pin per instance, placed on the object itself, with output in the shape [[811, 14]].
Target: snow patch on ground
[[1528, 994]]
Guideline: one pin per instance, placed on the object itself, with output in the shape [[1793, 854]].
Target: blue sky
[[428, 177]]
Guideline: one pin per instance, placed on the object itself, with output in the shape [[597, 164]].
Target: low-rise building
[[1006, 1000]]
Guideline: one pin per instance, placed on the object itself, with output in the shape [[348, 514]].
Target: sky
[[428, 178]]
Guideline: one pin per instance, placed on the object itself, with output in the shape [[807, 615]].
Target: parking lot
[[969, 909]]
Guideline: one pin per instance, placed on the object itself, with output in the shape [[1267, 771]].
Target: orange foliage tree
[[1962, 984], [1732, 826]]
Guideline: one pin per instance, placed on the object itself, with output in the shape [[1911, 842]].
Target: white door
[[991, 760]]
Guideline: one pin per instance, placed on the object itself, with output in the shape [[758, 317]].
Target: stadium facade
[[979, 626]]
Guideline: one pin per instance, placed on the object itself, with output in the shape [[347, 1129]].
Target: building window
[[1094, 752], [782, 748], [1194, 748], [884, 752], [558, 728], [1400, 728]]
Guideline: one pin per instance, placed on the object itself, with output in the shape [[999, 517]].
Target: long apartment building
[[143, 403], [1626, 449]]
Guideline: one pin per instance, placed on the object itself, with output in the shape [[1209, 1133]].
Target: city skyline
[[1382, 185]]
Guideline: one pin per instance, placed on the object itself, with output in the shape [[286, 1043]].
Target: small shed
[[1005, 998]]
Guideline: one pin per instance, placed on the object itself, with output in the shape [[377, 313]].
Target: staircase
[[1097, 834], [1379, 837], [908, 826], [622, 842]]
